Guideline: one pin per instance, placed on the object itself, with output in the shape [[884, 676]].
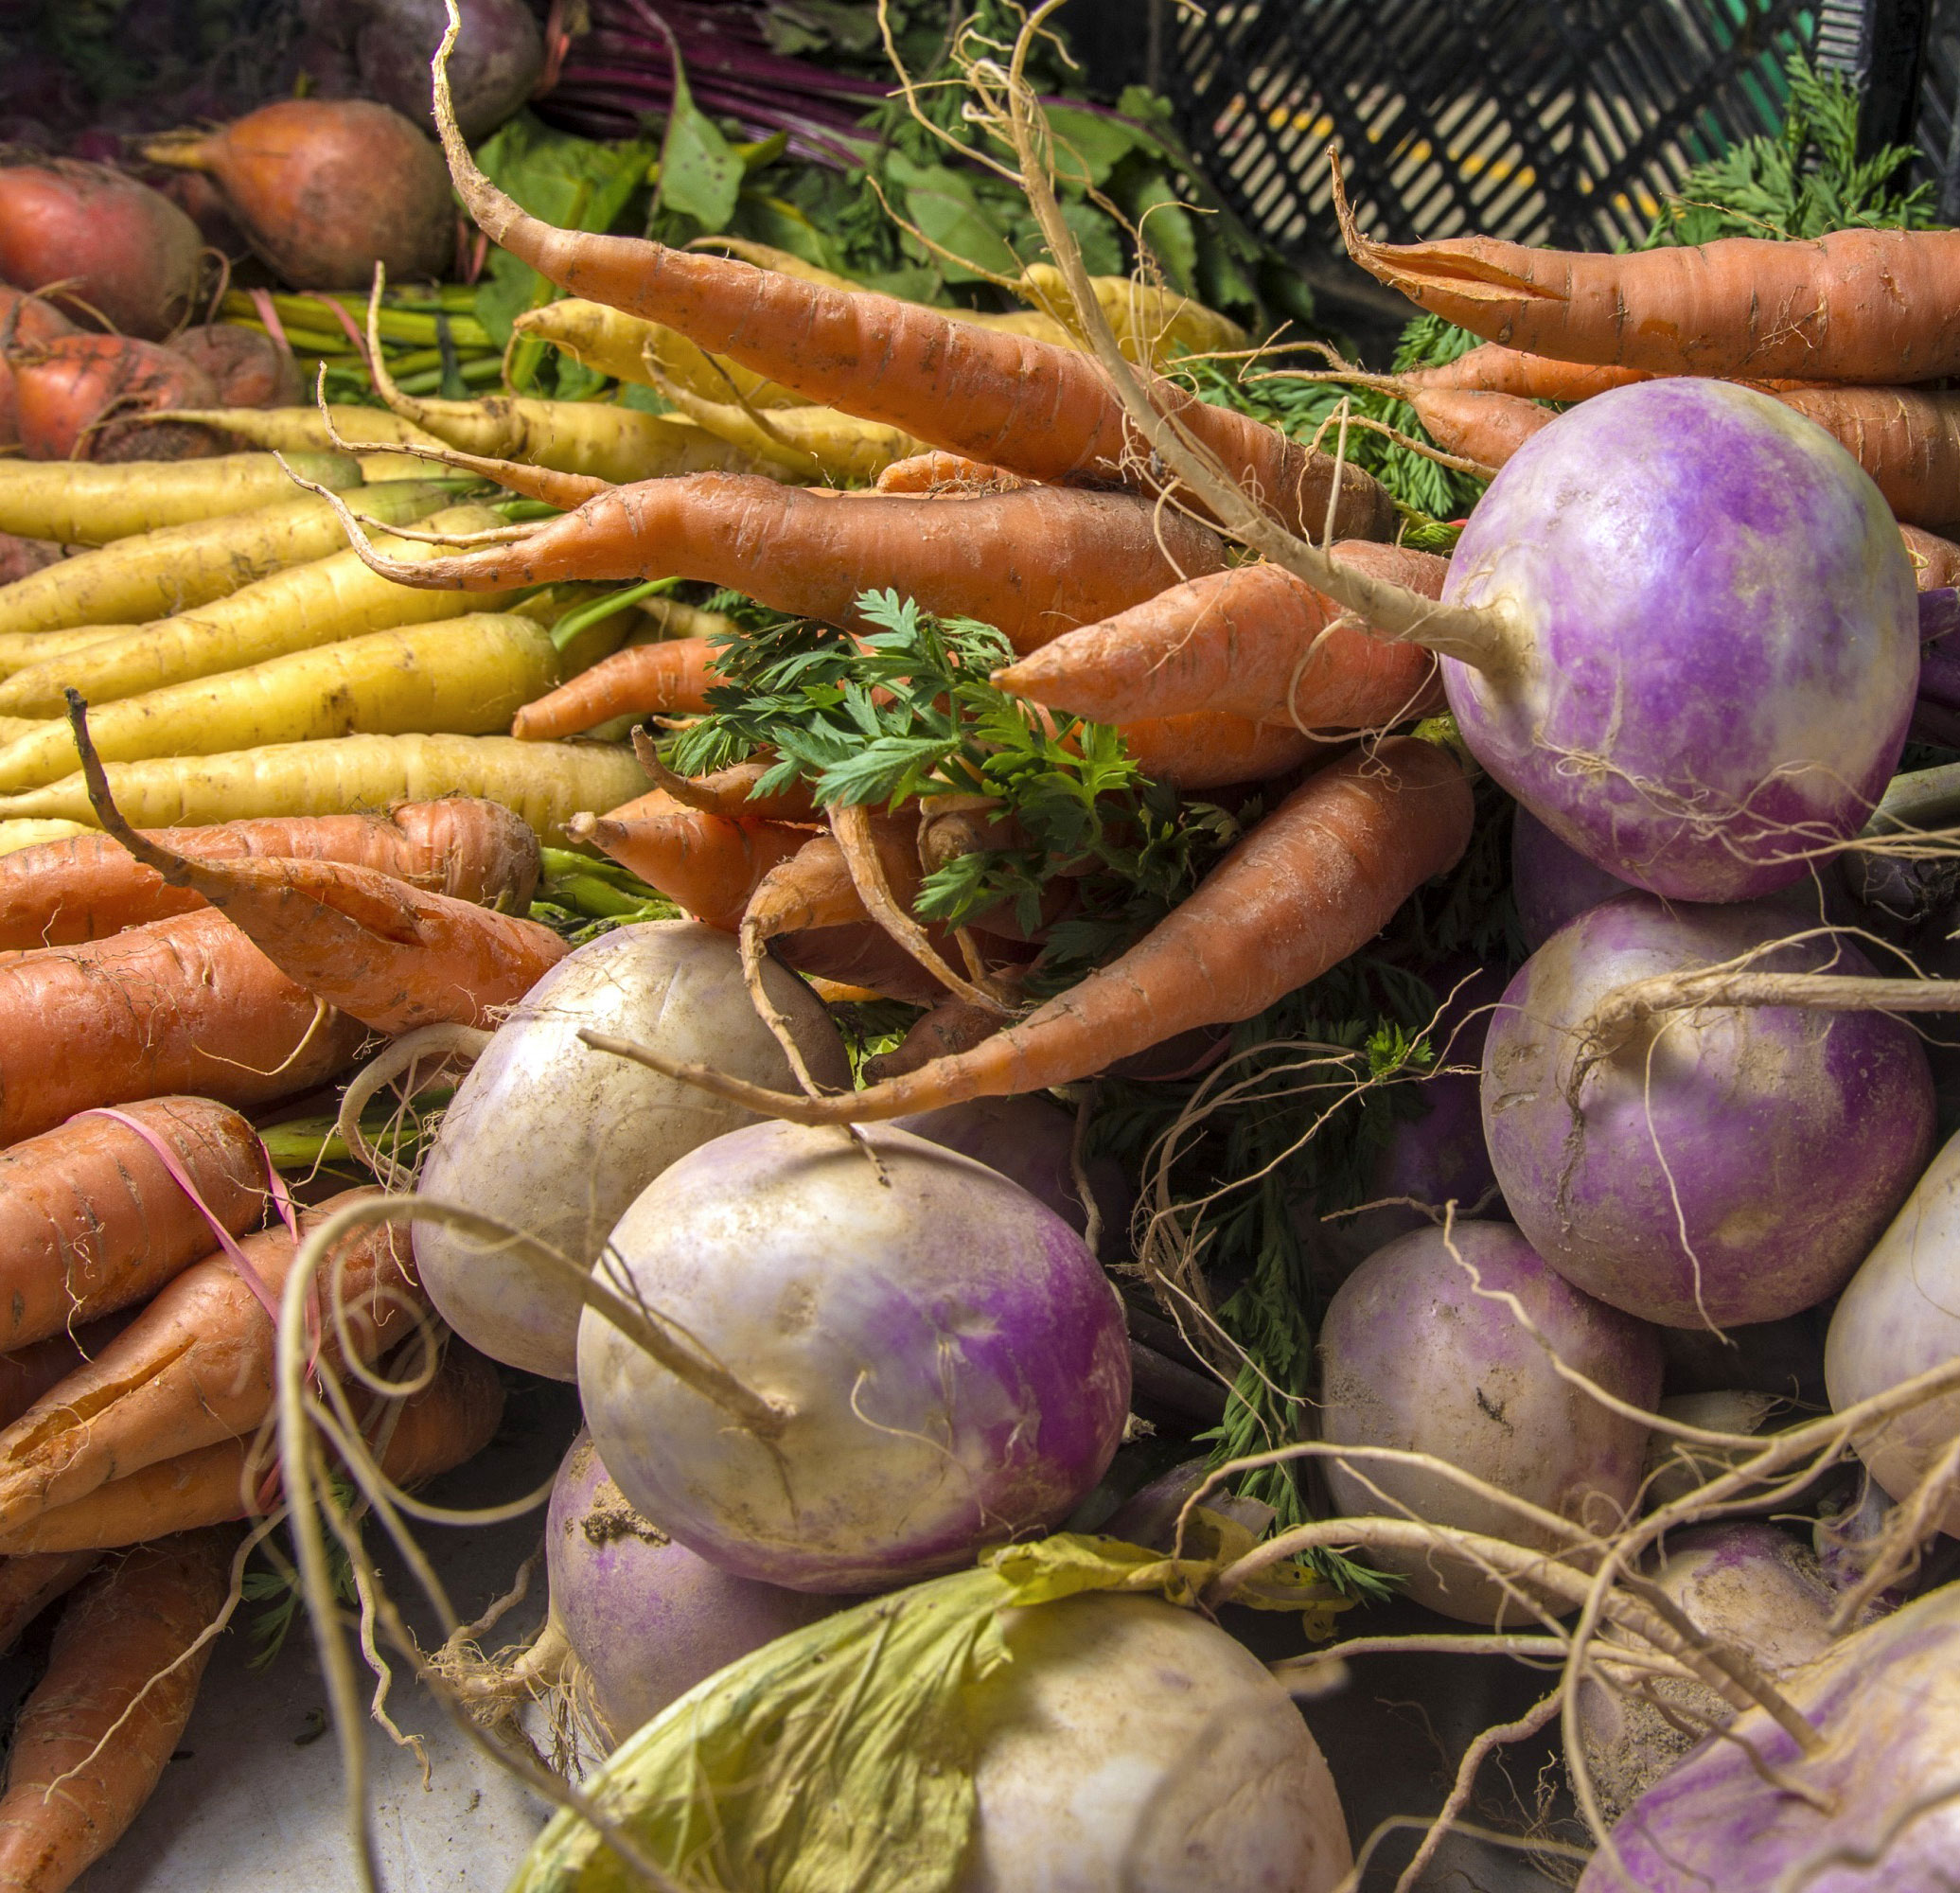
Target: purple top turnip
[[947, 1363], [1876, 1810], [1717, 1165], [645, 1617], [1413, 1357], [1750, 1587], [1551, 882], [1709, 644]]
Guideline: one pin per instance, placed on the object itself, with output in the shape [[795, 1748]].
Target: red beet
[[248, 369], [25, 320], [123, 249], [326, 188], [19, 556], [74, 395]]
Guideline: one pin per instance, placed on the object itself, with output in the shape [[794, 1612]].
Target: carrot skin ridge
[[450, 1421], [196, 1366], [1742, 306]]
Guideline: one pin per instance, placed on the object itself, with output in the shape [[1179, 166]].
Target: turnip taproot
[[557, 1140], [1875, 1809], [1708, 1166], [1900, 1316], [102, 241], [916, 1357], [645, 1617], [1414, 1358]]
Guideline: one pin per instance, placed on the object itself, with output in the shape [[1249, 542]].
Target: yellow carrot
[[13, 728], [298, 610], [629, 349], [17, 650], [301, 430], [544, 783], [464, 677], [1150, 322], [17, 835], [87, 503], [598, 438], [802, 443], [175, 568]]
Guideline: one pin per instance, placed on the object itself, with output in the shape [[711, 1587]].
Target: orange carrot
[[1209, 749], [1312, 883], [27, 1373], [951, 1027], [196, 1366], [1034, 562], [90, 886], [91, 1220], [1034, 407], [731, 791], [640, 680], [1494, 369], [1487, 428], [28, 1585], [452, 1420], [93, 1739], [813, 896], [709, 863], [930, 472], [384, 952], [1908, 439], [187, 1004], [1936, 562], [1873, 306], [1254, 641], [861, 955]]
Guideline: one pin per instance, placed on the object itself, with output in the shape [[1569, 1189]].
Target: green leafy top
[[906, 711], [1804, 182]]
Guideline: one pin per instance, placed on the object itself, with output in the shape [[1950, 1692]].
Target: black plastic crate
[[1550, 121]]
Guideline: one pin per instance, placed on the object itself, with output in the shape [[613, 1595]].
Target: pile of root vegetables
[[977, 678]]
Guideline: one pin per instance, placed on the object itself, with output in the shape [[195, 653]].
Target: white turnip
[[1745, 1584], [1900, 1316], [925, 1358], [557, 1139], [1415, 1359]]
